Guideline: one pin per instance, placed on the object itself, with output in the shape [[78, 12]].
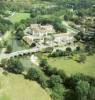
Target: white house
[[63, 38], [39, 30]]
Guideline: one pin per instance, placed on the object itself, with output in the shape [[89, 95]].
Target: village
[[45, 35], [47, 49]]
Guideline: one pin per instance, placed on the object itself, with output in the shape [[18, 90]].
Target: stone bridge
[[21, 53]]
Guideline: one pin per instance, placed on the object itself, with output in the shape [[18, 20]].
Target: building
[[45, 34], [63, 38], [29, 39], [37, 33], [39, 30]]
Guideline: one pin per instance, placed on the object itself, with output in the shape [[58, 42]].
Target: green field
[[15, 87], [72, 67], [17, 17]]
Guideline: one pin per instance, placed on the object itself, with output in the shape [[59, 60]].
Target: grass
[[26, 62], [17, 17], [19, 45], [72, 67], [15, 87]]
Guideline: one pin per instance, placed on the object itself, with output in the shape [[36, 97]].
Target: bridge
[[21, 52]]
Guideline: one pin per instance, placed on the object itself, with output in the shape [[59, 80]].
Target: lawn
[[72, 67], [15, 87], [17, 17]]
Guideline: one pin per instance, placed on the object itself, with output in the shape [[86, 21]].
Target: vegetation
[[68, 64], [10, 85], [4, 25], [34, 74], [57, 71], [13, 65], [17, 17]]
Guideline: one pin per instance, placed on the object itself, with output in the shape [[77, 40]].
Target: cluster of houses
[[46, 35]]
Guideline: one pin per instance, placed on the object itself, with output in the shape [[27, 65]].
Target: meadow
[[15, 87], [72, 67]]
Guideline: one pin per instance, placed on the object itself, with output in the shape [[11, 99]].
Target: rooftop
[[42, 28]]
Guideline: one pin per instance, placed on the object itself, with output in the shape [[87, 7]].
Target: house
[[63, 38], [39, 30], [29, 39], [37, 33]]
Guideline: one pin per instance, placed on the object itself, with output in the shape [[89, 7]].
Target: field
[[15, 87], [72, 67], [17, 17]]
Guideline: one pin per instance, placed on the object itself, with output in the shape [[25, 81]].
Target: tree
[[5, 25], [81, 58], [14, 66], [78, 48], [43, 81], [55, 83], [33, 74], [91, 94], [19, 34], [57, 23], [54, 80], [8, 49], [36, 75], [68, 51], [57, 53], [58, 92], [43, 63], [66, 18], [82, 90], [62, 74], [19, 31], [79, 36], [4, 63], [33, 14], [33, 44], [80, 14]]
